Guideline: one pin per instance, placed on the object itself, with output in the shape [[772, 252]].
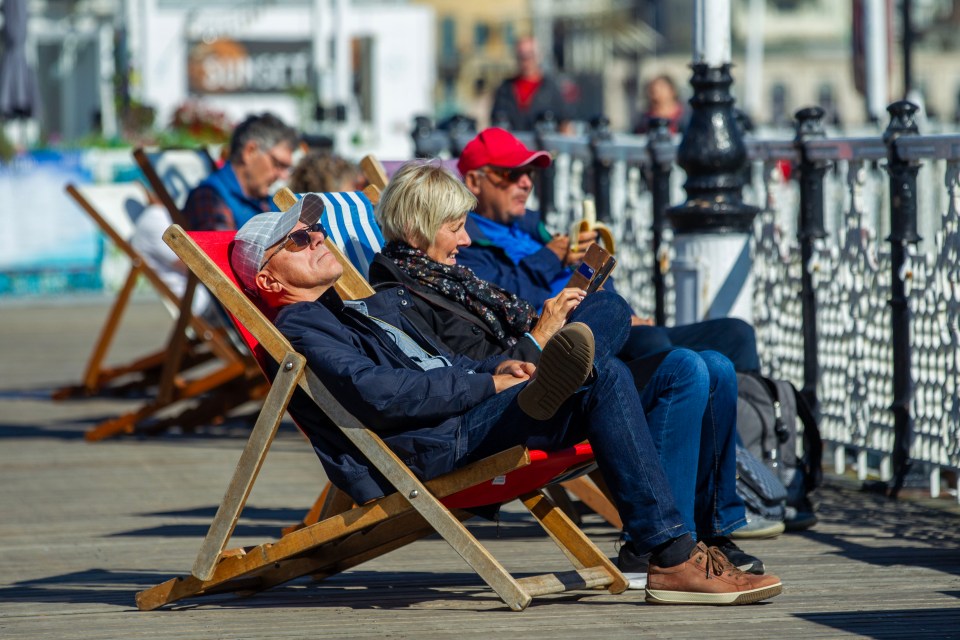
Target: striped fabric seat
[[348, 218]]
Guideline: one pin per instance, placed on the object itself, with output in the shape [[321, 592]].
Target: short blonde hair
[[420, 198]]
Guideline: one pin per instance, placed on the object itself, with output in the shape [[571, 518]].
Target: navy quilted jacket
[[416, 412]]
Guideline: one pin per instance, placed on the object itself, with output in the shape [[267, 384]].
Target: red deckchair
[[416, 509]]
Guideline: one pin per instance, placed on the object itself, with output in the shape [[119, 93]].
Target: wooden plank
[[572, 541], [177, 342], [284, 198], [91, 376], [593, 497], [373, 194], [591, 578], [251, 460], [374, 172]]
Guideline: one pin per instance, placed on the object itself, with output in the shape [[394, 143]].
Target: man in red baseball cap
[[513, 249], [498, 169]]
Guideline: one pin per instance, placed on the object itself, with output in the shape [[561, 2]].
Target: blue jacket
[[531, 278], [416, 412]]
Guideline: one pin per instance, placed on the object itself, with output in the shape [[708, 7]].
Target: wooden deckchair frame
[[215, 392], [348, 538], [97, 377]]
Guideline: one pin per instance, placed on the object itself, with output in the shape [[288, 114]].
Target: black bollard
[[461, 130], [600, 132], [903, 231], [427, 141], [810, 173], [714, 154], [660, 148]]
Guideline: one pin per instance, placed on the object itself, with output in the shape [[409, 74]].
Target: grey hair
[[266, 129], [420, 198]]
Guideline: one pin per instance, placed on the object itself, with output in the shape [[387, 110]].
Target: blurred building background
[[358, 71]]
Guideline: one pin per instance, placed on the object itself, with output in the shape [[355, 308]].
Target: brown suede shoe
[[707, 577], [566, 362]]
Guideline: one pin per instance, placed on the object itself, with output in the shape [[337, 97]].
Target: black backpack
[[768, 412]]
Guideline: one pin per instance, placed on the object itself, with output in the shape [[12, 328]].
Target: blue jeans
[[690, 405], [608, 413], [732, 337]]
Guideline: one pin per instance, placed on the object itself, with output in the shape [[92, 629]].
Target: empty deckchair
[[184, 382], [173, 173], [416, 508], [187, 396], [115, 209], [355, 238]]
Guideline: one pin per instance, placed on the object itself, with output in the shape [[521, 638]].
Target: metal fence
[[879, 352]]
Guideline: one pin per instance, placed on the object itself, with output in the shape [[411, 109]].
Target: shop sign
[[248, 66]]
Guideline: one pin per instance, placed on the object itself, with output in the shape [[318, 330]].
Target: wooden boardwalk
[[84, 526]]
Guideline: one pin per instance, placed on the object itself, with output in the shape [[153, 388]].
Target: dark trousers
[[731, 337]]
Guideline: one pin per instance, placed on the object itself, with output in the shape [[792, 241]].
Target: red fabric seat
[[545, 466]]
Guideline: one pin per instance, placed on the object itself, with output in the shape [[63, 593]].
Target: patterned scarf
[[507, 316]]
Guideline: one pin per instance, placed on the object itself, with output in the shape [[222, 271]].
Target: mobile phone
[[593, 270]]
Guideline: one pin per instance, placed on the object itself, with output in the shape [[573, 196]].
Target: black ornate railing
[[856, 265]]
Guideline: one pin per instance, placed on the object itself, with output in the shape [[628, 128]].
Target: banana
[[589, 223]]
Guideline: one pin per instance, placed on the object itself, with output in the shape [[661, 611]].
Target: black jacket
[[416, 412], [548, 97], [460, 330]]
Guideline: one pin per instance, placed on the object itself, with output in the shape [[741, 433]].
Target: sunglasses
[[297, 241], [511, 175], [278, 164]]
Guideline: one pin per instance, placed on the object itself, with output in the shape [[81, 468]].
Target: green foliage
[[7, 150]]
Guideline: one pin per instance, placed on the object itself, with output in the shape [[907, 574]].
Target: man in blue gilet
[[261, 152]]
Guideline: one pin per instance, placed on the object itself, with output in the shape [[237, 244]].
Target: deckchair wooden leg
[[178, 341], [345, 554], [264, 431], [214, 406], [250, 573], [128, 422], [332, 501], [92, 372], [558, 493], [592, 496], [571, 540]]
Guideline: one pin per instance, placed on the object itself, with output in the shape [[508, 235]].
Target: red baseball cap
[[499, 148]]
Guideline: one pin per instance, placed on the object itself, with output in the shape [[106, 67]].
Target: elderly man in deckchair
[[439, 412]]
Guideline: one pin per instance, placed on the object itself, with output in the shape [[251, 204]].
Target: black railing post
[[600, 132], [427, 141], [660, 148], [903, 231], [545, 125], [809, 126]]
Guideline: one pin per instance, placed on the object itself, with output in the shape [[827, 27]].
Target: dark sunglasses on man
[[298, 240], [511, 175]]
